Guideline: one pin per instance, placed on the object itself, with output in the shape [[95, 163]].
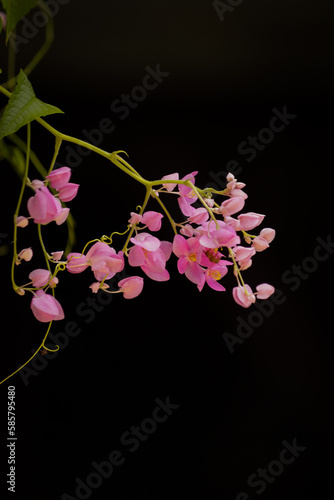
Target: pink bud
[[230, 177], [242, 253], [232, 206], [68, 192], [131, 287], [97, 286], [26, 254], [238, 193], [268, 234], [39, 277], [264, 290], [45, 307], [57, 255], [243, 295], [152, 220], [76, 263], [135, 218], [260, 244], [59, 178], [250, 220], [21, 221], [37, 184]]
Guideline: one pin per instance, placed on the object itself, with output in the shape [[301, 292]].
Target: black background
[[235, 409]]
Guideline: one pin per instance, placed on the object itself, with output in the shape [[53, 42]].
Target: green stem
[[49, 37], [24, 181]]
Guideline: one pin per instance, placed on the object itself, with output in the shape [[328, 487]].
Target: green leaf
[[23, 107], [16, 10]]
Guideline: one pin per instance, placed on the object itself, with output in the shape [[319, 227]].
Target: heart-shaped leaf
[[23, 107], [16, 10]]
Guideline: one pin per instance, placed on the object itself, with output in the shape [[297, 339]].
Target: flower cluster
[[206, 243]]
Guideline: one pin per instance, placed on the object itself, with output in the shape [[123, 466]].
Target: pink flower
[[243, 295], [152, 220], [39, 277], [135, 218], [260, 244], [104, 261], [152, 262], [268, 234], [199, 215], [212, 275], [188, 251], [243, 256], [21, 221], [25, 254], [44, 207], [146, 241], [232, 206], [187, 195], [57, 255], [68, 192], [45, 307], [250, 220], [76, 262], [211, 237], [59, 178], [170, 177], [131, 287], [264, 291], [98, 286]]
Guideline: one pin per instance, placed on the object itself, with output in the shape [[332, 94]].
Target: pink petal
[[76, 262], [240, 296], [264, 290], [152, 220], [170, 177], [146, 241], [59, 177], [68, 192], [250, 220], [131, 287], [46, 308], [39, 277]]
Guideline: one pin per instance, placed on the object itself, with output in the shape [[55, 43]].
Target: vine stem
[[24, 181]]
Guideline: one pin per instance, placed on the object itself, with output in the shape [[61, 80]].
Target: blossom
[[232, 206], [76, 262], [131, 287], [21, 221], [59, 178], [3, 19], [211, 237], [188, 251], [25, 254], [264, 291], [40, 277], [170, 177], [68, 192], [243, 295], [45, 307], [187, 195], [152, 220], [43, 207], [97, 286], [102, 258], [57, 255], [151, 256], [250, 220], [135, 218]]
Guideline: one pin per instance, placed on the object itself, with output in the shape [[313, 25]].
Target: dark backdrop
[[245, 384]]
